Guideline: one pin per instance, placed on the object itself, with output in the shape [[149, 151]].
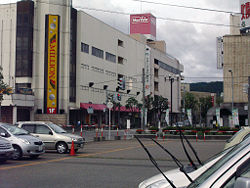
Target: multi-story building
[[235, 51], [63, 64]]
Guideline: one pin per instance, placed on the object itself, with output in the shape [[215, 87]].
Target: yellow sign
[[52, 81]]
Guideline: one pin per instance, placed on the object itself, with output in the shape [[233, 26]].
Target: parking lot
[[121, 163]]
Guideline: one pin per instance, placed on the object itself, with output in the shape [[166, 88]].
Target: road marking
[[70, 157]]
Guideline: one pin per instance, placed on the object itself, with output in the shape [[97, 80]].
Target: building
[[64, 64], [235, 50]]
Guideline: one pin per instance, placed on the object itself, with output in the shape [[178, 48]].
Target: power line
[[188, 7], [161, 18]]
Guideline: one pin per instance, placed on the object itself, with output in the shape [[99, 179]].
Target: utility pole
[[248, 93], [143, 99]]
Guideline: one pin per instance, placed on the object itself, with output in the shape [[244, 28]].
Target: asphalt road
[[107, 164]]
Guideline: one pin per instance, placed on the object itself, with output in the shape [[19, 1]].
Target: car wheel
[[61, 147], [34, 156], [17, 153]]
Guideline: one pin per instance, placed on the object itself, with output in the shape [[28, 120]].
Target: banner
[[189, 113], [167, 117], [218, 116], [235, 117], [51, 64], [147, 71]]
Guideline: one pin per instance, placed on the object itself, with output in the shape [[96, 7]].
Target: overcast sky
[[194, 45]]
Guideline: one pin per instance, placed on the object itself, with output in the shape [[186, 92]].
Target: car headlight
[[159, 184], [24, 141], [74, 139]]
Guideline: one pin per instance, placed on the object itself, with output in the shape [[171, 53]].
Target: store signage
[[245, 14], [52, 41]]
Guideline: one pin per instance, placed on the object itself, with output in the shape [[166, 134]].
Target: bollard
[[96, 132], [73, 129], [163, 135], [196, 136], [125, 134], [204, 136], [117, 131], [102, 132], [81, 130]]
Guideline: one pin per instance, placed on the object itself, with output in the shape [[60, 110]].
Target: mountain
[[212, 87]]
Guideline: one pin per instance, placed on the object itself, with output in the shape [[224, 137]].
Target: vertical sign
[[51, 64], [219, 51], [245, 14], [147, 71], [235, 117], [189, 113], [218, 116], [167, 117]]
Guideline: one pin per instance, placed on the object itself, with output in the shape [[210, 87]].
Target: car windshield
[[15, 130], [203, 177], [56, 128]]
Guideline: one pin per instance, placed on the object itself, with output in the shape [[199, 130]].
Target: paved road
[[108, 164]]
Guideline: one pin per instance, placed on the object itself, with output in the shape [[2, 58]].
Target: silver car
[[231, 171], [6, 150], [23, 143], [53, 136]]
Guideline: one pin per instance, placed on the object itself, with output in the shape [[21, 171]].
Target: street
[[107, 164]]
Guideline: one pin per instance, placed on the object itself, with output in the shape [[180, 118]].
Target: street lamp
[[232, 75]]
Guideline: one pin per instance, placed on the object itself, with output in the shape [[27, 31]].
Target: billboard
[[245, 14], [143, 24], [51, 64]]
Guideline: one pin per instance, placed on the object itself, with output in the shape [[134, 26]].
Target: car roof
[[30, 122]]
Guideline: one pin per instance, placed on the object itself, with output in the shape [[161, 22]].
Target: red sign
[[143, 24]]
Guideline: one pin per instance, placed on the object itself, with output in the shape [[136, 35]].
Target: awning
[[94, 106]]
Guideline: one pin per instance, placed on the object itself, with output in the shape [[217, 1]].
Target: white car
[[53, 136], [231, 171], [242, 134], [178, 178]]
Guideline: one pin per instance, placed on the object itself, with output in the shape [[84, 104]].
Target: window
[[41, 129], [110, 57], [156, 86], [120, 60], [84, 48], [156, 71], [97, 52], [30, 128], [120, 43]]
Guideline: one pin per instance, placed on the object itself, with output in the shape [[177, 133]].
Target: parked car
[[242, 134], [178, 177], [231, 171], [23, 143], [6, 150], [53, 136]]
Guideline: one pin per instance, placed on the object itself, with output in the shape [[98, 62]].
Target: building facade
[[64, 64]]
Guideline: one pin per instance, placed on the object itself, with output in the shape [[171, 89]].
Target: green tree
[[205, 105], [4, 89], [132, 104]]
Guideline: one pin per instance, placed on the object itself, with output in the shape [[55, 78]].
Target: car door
[[46, 135]]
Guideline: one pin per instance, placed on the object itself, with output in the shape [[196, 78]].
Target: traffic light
[[121, 83], [119, 97]]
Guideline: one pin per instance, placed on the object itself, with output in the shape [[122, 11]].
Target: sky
[[194, 45]]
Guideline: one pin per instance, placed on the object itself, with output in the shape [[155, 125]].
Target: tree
[[132, 104], [205, 105], [4, 89]]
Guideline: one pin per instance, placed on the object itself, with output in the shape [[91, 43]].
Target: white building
[[50, 53]]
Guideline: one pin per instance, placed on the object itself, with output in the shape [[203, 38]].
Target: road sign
[[110, 105]]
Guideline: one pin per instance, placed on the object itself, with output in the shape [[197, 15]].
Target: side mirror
[[50, 132], [3, 135], [242, 182]]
